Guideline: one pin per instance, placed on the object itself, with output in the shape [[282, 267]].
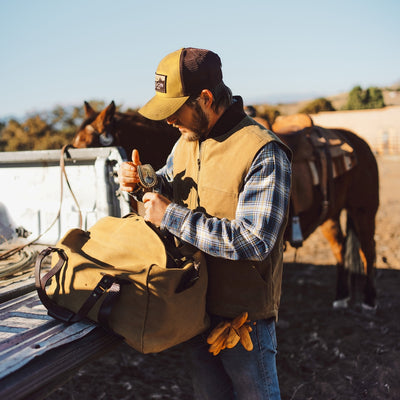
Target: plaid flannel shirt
[[259, 215]]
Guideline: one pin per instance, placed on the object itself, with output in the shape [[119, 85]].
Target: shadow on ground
[[324, 354]]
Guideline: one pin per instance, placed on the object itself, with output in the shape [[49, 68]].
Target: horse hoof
[[368, 309], [340, 304]]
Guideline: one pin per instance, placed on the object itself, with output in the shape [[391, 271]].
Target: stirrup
[[297, 236]]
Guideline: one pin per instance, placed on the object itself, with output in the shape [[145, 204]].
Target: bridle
[[106, 137]]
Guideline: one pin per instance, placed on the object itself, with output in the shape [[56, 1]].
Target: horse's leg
[[332, 231], [364, 222]]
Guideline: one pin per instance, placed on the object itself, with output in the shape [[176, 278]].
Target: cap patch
[[161, 83]]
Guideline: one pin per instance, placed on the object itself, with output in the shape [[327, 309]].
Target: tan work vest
[[209, 178]]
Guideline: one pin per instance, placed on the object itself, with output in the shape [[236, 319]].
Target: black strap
[[327, 175], [55, 310], [105, 283], [189, 277], [107, 305]]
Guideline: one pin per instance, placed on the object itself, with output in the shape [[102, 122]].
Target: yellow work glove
[[227, 334]]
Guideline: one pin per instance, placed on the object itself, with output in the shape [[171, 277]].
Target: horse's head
[[96, 129], [252, 112], [129, 130]]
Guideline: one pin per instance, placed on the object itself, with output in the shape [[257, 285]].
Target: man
[[225, 190]]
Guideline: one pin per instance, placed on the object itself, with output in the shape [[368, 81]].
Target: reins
[[63, 174]]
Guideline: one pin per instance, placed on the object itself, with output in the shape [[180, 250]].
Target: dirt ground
[[324, 354]]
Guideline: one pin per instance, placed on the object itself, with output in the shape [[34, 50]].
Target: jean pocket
[[272, 333]]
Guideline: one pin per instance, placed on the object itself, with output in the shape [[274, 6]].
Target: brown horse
[[355, 190], [252, 112], [348, 182], [153, 139]]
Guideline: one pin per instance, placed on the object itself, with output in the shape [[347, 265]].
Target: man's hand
[[127, 175], [155, 206]]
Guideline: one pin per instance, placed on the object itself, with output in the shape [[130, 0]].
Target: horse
[[345, 174], [252, 112], [354, 189], [153, 139]]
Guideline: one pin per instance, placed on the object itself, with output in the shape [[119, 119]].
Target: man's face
[[191, 121]]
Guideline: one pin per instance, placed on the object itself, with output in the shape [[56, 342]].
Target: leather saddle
[[319, 156]]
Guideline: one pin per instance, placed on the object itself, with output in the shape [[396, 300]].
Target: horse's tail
[[352, 259]]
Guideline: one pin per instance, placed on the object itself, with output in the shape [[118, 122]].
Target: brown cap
[[179, 75]]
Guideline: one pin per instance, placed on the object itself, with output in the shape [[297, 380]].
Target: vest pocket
[[237, 286]]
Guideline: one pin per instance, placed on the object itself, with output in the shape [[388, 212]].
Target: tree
[[47, 130], [32, 134], [360, 99], [267, 112], [2, 142], [317, 105], [375, 96]]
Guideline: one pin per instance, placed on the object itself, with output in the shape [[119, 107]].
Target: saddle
[[320, 155]]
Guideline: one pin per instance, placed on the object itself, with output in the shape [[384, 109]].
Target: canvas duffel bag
[[121, 274]]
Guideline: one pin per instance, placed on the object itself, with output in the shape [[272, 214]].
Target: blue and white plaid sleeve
[[259, 215], [166, 176]]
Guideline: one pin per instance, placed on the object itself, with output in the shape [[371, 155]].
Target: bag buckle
[[104, 284]]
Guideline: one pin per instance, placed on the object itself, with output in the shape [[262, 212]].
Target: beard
[[200, 129]]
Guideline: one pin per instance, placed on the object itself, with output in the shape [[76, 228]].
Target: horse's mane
[[88, 121], [134, 116], [130, 116]]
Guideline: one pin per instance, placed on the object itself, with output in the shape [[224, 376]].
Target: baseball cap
[[179, 75]]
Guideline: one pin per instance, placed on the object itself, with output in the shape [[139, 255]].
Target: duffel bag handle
[[55, 310]]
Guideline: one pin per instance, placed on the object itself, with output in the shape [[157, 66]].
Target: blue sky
[[56, 52]]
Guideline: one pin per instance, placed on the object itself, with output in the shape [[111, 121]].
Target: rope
[[63, 173]]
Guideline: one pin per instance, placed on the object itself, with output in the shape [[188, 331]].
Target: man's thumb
[[135, 157]]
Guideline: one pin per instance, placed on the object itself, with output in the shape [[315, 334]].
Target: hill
[[391, 97]]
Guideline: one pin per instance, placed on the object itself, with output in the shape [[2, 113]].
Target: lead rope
[[63, 173]]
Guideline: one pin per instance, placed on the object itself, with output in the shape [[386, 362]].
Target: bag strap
[[55, 310], [190, 277], [106, 307]]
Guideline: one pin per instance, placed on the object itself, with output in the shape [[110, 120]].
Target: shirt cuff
[[174, 218]]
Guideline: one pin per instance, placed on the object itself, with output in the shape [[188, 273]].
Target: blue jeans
[[236, 373]]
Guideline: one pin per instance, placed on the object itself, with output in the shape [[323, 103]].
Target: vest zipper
[[198, 175]]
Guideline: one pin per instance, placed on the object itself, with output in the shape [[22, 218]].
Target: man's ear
[[207, 97]]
